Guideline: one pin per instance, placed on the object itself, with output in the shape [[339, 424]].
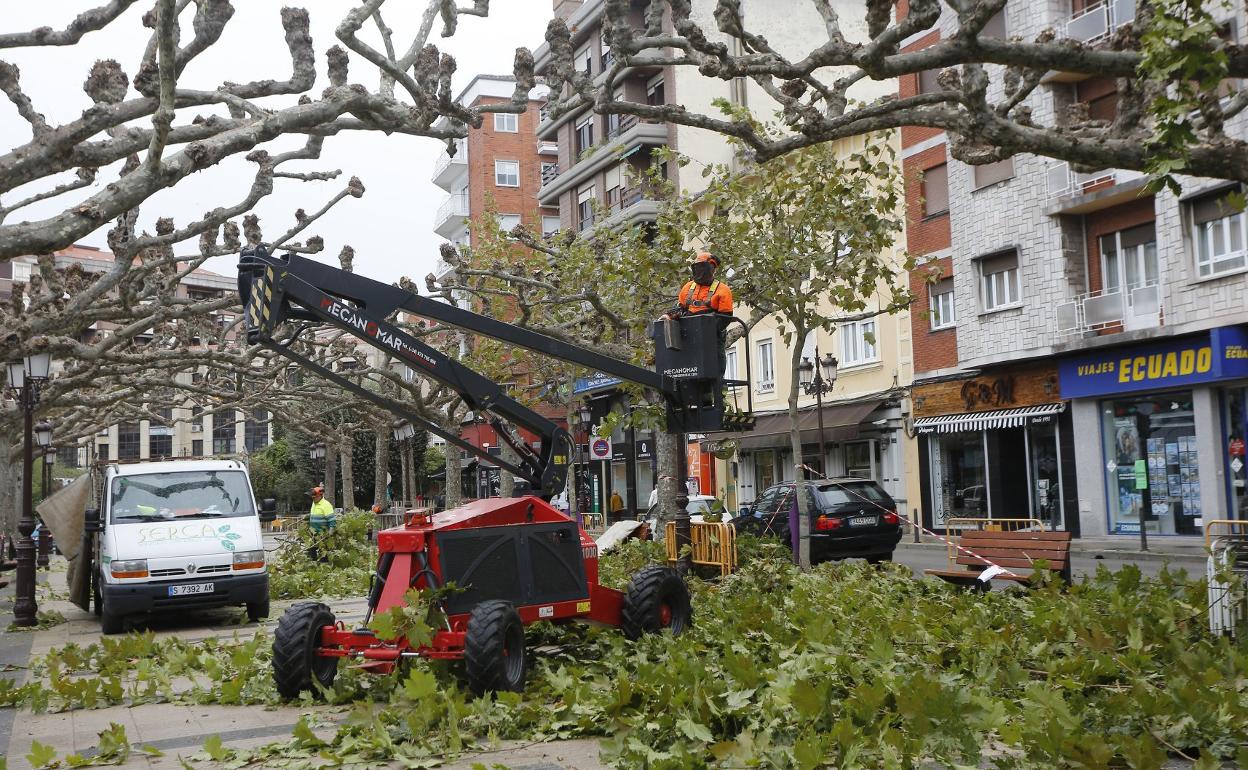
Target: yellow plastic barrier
[[714, 544], [961, 523]]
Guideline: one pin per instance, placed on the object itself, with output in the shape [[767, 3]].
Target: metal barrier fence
[[1227, 542], [956, 525], [713, 544]]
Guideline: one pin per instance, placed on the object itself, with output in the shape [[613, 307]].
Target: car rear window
[[853, 493]]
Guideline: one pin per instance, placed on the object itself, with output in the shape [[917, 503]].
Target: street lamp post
[[585, 423], [817, 380], [316, 453], [403, 431], [45, 534], [25, 376]]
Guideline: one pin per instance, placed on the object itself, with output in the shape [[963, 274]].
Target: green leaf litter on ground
[[847, 665]]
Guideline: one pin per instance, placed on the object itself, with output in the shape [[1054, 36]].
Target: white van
[[175, 535]]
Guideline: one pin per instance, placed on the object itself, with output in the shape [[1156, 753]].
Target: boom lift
[[519, 560]]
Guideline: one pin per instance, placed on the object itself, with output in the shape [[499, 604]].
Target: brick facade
[[486, 145], [908, 85]]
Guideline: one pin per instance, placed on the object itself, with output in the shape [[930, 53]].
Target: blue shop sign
[[596, 382], [1219, 354]]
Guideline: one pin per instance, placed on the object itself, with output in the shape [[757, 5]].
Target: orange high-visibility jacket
[[695, 298]]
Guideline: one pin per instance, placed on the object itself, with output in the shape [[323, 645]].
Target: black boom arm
[[275, 290]]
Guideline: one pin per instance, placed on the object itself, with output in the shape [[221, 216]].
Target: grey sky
[[391, 227]]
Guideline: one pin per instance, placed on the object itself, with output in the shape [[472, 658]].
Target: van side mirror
[[268, 509], [91, 520]]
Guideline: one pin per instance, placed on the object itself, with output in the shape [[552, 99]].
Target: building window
[[223, 432], [197, 419], [584, 134], [506, 122], [1217, 234], [507, 173], [655, 94], [858, 343], [959, 476], [936, 190], [101, 452], [549, 172], [67, 456], [730, 364], [585, 207], [999, 277], [1129, 259], [858, 460], [256, 431], [550, 225], [766, 366], [584, 60], [128, 441], [995, 26], [992, 173], [941, 296], [197, 447], [159, 446], [612, 183], [1151, 467], [927, 81], [607, 57], [508, 222]]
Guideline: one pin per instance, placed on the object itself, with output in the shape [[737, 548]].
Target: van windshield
[[180, 495]]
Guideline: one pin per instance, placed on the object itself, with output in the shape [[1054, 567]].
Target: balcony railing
[[445, 160], [1062, 181], [1137, 306], [549, 173], [1098, 21], [617, 128]]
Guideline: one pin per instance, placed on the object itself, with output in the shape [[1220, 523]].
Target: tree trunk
[[10, 477], [412, 478], [331, 473], [381, 465], [665, 447], [506, 481], [802, 552], [405, 491], [454, 489], [348, 477]]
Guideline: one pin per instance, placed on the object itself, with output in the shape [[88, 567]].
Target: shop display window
[[958, 476], [1236, 421], [1151, 471]]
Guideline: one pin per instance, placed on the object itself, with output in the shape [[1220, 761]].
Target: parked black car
[[849, 517]]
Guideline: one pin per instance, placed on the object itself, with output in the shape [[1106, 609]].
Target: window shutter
[[1212, 207], [613, 177], [999, 263]]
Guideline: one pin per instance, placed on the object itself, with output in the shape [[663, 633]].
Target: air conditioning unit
[[197, 427]]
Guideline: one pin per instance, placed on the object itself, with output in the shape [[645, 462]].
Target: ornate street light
[[25, 376]]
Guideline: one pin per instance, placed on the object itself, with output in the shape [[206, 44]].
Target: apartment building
[[601, 163], [179, 429], [1081, 359], [500, 164]]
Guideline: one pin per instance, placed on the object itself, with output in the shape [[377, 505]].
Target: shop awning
[[840, 423], [1000, 418]]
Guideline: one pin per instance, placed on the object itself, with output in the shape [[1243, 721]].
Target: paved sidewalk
[[180, 730]]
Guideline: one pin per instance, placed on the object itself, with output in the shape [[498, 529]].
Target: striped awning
[[1000, 418]]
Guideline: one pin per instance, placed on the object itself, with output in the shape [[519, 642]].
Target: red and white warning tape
[[986, 575]]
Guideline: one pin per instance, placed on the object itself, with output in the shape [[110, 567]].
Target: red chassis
[[520, 560]]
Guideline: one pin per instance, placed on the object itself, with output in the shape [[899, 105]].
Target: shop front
[[996, 446], [863, 439], [1170, 418]]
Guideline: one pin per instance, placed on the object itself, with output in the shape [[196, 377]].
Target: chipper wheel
[[494, 655], [295, 662], [657, 598]]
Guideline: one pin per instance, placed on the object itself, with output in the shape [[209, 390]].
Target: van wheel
[[111, 622], [98, 606], [257, 611]]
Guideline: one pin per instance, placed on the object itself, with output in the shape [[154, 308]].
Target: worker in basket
[[704, 294]]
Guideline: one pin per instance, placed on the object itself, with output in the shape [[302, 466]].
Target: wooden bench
[[1011, 550]]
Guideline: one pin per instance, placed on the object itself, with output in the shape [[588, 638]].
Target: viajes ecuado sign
[[1215, 355]]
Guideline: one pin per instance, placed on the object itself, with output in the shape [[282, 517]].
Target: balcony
[[1098, 21], [549, 173], [636, 204], [545, 147], [622, 140], [450, 170], [449, 221], [1070, 192], [1137, 306]]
